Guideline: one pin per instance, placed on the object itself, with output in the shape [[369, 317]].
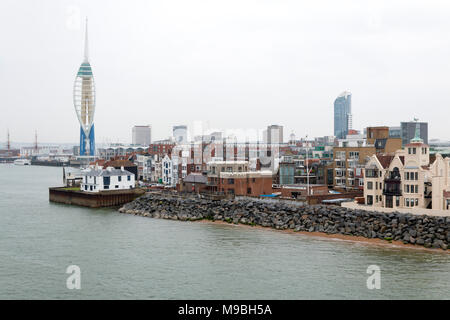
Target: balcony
[[392, 188]]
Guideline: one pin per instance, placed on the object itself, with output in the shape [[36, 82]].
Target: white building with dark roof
[[96, 180]]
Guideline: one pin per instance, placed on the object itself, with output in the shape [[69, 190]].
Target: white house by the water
[[95, 180]]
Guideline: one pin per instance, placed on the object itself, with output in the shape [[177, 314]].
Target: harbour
[[129, 257]]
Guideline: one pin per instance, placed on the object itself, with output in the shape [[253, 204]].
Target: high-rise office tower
[[142, 135], [180, 134], [84, 102], [274, 134], [342, 114]]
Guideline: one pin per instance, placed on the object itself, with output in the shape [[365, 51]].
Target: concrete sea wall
[[422, 230]]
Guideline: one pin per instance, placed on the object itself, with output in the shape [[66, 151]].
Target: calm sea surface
[[129, 257]]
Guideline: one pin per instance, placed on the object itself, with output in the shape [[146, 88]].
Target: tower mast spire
[[86, 44]]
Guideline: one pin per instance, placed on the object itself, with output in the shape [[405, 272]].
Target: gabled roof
[[385, 160]]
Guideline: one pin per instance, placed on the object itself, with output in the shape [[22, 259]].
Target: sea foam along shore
[[417, 230]]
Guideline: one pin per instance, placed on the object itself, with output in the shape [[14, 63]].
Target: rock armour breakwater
[[422, 230]]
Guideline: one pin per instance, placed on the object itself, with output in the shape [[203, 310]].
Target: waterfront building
[[117, 164], [286, 171], [46, 151], [342, 115], [381, 138], [351, 154], [84, 102], [234, 178], [10, 152], [96, 180], [408, 131], [194, 182], [407, 180], [180, 134], [167, 171], [144, 164], [142, 135]]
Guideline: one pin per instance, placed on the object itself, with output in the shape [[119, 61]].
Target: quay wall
[[421, 230], [93, 200]]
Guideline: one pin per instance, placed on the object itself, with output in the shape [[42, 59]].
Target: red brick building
[[245, 183]]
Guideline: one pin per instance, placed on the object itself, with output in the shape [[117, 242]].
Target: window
[[414, 150], [406, 202], [354, 154], [230, 181], [406, 175], [397, 201], [416, 174], [117, 187], [417, 202], [120, 178], [106, 187], [106, 181], [129, 178], [249, 190], [369, 185], [369, 200], [417, 188], [85, 187]]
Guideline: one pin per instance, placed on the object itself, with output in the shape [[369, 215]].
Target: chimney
[[122, 168]]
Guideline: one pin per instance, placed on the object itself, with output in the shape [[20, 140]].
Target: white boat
[[22, 162]]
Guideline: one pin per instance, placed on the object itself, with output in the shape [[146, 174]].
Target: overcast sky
[[231, 64]]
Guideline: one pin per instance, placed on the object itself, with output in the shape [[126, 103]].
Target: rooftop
[[106, 172]]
